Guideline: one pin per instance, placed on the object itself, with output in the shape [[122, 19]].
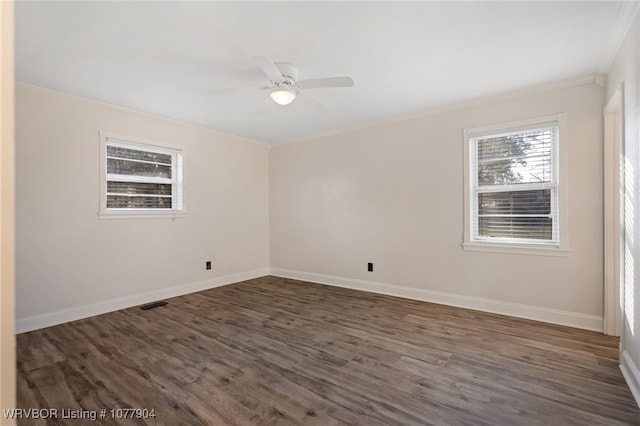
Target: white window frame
[[560, 162], [179, 206]]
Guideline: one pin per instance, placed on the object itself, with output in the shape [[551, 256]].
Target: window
[[140, 178], [513, 186]]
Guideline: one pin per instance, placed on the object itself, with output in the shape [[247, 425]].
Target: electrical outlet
[[208, 264], [370, 267]]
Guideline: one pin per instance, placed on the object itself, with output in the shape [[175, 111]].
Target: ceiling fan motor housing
[[289, 74]]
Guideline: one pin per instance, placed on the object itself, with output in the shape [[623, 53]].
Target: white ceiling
[[405, 58]]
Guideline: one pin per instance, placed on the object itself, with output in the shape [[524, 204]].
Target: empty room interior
[[320, 213]]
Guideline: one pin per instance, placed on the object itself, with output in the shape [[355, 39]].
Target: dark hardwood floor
[[274, 351]]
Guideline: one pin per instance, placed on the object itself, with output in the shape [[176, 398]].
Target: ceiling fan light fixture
[[283, 95]]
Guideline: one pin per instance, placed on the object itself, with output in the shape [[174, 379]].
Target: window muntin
[[141, 178], [514, 180]]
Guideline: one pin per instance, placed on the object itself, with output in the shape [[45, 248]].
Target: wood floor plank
[[275, 351]]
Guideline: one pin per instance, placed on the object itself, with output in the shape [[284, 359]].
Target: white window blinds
[[142, 177], [514, 195]]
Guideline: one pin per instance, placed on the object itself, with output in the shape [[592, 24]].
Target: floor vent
[[153, 305]]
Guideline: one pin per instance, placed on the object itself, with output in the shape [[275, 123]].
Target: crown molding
[[457, 106], [624, 20]]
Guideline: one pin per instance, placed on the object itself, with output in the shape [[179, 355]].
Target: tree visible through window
[[514, 186]]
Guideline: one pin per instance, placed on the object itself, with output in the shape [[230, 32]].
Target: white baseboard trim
[[49, 319], [631, 373], [554, 316]]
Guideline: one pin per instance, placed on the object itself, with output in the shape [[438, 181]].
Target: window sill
[[515, 249], [141, 215]]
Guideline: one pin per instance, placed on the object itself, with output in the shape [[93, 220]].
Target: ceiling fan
[[285, 86]]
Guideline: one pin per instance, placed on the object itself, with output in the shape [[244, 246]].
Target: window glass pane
[[137, 202], [534, 202], [135, 154], [516, 158], [126, 167], [138, 188], [137, 178], [534, 228]]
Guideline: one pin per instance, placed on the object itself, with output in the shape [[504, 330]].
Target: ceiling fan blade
[[263, 108], [268, 67], [321, 83], [230, 90], [314, 101]]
